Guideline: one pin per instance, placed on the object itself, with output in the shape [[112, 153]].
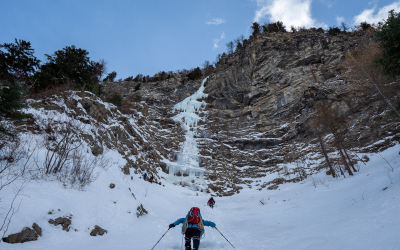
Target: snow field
[[345, 213]]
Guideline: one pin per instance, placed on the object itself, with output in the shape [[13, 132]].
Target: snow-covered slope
[[359, 212]]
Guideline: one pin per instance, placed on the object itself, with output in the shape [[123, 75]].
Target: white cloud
[[216, 41], [370, 15], [339, 20], [216, 21], [328, 3], [291, 12]]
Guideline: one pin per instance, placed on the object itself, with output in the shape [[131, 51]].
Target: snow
[[345, 213], [321, 212]]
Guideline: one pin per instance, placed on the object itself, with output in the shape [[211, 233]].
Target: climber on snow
[[211, 202], [193, 227]]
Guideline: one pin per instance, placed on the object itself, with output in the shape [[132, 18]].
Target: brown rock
[[98, 231]]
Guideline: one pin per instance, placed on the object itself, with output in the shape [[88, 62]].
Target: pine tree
[[389, 38], [17, 61]]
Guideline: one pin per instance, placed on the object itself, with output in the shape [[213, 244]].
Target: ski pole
[[224, 237], [160, 239]]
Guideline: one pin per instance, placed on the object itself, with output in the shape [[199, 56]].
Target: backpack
[[194, 215]]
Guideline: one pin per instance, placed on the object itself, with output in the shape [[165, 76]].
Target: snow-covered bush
[[79, 172], [64, 155]]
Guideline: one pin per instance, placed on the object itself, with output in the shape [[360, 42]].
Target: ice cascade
[[188, 158]]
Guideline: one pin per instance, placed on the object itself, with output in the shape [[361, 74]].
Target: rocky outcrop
[[259, 104], [147, 137]]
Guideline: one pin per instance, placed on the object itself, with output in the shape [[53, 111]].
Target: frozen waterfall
[[187, 163]]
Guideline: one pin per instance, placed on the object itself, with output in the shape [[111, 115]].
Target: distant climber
[[151, 179], [211, 202], [193, 227], [145, 176]]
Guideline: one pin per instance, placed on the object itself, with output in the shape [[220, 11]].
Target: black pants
[[192, 232]]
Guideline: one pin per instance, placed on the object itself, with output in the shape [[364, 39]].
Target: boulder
[[64, 222], [273, 187], [27, 234], [112, 185], [98, 231], [36, 229]]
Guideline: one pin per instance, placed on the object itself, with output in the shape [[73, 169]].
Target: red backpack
[[194, 215]]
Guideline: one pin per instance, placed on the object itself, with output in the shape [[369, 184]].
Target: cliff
[[260, 100]]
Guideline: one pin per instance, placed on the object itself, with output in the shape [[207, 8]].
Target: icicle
[[188, 158]]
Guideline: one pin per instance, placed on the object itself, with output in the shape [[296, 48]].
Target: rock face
[[27, 234], [143, 135], [98, 231], [259, 104], [260, 100]]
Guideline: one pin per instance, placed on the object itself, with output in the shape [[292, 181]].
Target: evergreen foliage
[[10, 103], [110, 77], [274, 27], [389, 38], [69, 65], [116, 100], [365, 25], [129, 79], [137, 87], [10, 100], [17, 61], [334, 31], [195, 74], [255, 29], [138, 78]]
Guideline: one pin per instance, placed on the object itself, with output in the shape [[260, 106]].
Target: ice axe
[[224, 237], [160, 239]]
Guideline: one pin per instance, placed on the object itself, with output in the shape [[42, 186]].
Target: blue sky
[[149, 36]]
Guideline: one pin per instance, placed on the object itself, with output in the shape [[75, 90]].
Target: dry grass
[[57, 90]]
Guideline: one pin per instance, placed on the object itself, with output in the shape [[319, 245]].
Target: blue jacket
[[183, 220]]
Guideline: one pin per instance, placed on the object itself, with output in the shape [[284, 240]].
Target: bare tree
[[100, 68], [238, 42], [363, 76], [229, 47], [344, 27], [15, 156], [217, 59], [206, 64], [58, 153], [319, 132], [207, 68], [327, 117]]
